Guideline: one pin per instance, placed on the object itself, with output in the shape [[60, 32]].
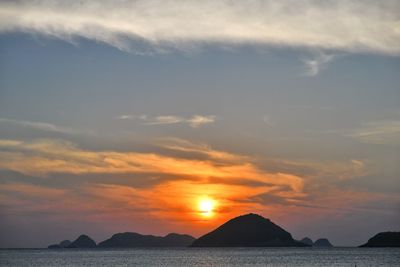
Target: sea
[[202, 257]]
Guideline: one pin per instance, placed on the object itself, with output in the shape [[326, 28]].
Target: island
[[129, 240], [83, 241], [250, 230], [62, 244], [384, 239], [322, 242], [307, 241]]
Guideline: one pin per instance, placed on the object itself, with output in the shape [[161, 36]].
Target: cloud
[[194, 121], [268, 121], [155, 179], [181, 145], [329, 170], [43, 157], [48, 127], [33, 191], [131, 117], [125, 117], [384, 132], [347, 25], [315, 64], [198, 120], [160, 120]]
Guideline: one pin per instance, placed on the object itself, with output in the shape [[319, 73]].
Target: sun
[[206, 207]]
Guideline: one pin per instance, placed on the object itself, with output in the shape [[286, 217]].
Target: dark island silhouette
[[62, 244], [384, 239], [250, 230], [307, 241], [130, 240], [83, 241], [322, 242]]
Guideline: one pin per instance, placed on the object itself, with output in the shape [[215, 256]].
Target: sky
[[176, 116]]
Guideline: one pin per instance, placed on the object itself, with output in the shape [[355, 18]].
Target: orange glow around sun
[[206, 207]]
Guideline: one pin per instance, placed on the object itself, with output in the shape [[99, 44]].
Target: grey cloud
[[350, 25], [73, 181], [194, 121], [378, 132], [39, 126]]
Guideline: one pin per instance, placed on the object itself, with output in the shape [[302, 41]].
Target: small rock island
[[322, 242], [83, 241], [307, 241]]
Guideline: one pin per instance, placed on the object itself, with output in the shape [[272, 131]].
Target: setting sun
[[206, 207]]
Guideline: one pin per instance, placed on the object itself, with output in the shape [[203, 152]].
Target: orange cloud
[[227, 178], [48, 156]]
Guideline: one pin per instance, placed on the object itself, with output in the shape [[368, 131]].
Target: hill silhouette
[[250, 230], [384, 239], [83, 241], [126, 240], [322, 242], [62, 244], [307, 241]]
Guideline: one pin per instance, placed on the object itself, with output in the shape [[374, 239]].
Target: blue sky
[[316, 110]]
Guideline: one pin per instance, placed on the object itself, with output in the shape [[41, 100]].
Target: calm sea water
[[204, 257]]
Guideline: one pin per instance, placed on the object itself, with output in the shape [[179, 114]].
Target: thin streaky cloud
[[379, 132], [194, 121], [43, 126], [199, 120], [131, 117], [43, 157], [125, 117], [177, 144], [345, 25], [386, 132], [160, 120]]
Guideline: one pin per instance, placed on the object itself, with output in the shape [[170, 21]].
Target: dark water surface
[[203, 257]]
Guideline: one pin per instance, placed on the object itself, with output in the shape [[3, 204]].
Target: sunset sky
[[175, 116]]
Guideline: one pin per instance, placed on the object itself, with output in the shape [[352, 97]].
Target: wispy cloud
[[198, 120], [316, 63], [194, 121], [378, 132], [160, 120], [347, 25], [151, 180], [43, 157], [125, 117], [268, 121], [182, 145], [38, 125], [131, 117]]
